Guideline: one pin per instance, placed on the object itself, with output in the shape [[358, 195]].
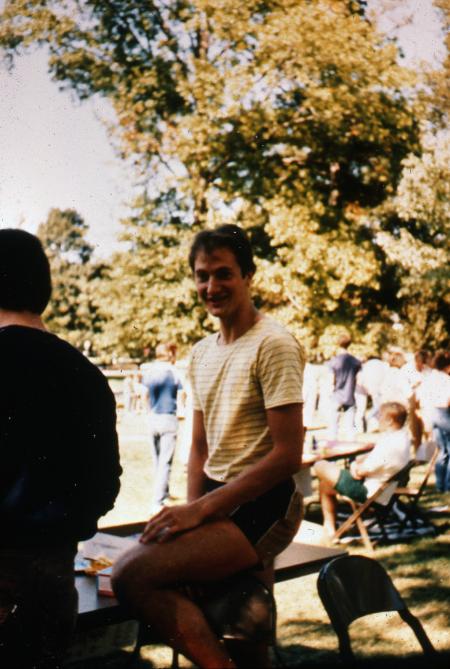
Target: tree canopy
[[71, 311], [289, 117]]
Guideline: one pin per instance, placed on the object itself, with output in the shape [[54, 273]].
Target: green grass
[[418, 568]]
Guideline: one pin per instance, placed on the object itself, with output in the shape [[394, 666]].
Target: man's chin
[[216, 309], [217, 312]]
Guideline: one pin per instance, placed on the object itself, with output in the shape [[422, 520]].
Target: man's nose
[[212, 284]]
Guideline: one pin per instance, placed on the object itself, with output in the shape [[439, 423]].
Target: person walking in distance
[[163, 386]]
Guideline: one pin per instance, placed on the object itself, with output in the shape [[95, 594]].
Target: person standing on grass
[[242, 506], [163, 386], [59, 462], [367, 472], [435, 398], [344, 368]]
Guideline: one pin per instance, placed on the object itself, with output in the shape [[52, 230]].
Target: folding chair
[[354, 586], [380, 512], [412, 515]]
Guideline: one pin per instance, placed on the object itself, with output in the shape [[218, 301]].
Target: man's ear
[[249, 277]]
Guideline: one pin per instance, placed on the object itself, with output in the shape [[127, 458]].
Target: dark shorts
[[350, 487], [270, 521]]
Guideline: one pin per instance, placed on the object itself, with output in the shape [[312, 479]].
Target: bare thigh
[[328, 472], [209, 552]]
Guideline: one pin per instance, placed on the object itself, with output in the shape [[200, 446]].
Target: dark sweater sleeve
[[96, 472]]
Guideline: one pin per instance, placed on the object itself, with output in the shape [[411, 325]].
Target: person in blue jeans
[[163, 385], [345, 368], [434, 394]]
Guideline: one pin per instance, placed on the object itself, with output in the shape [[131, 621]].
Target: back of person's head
[[441, 360], [421, 358], [25, 281], [344, 341], [228, 236], [163, 351], [393, 413]]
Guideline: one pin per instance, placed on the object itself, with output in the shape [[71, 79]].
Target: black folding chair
[[354, 586], [407, 498]]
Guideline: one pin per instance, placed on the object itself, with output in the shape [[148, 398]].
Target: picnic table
[[335, 450], [94, 610]]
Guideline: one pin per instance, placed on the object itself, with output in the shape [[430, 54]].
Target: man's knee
[[133, 575]]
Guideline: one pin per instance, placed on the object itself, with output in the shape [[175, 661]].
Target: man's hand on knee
[[172, 520]]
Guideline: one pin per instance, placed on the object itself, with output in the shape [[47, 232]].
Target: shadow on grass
[[293, 657]]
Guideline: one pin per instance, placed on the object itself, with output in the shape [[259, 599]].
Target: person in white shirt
[[369, 383], [367, 473], [434, 398]]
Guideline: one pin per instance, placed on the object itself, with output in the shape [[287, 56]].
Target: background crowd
[[343, 396]]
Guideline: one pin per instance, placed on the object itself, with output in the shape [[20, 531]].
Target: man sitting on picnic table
[[59, 462], [242, 507], [367, 472]]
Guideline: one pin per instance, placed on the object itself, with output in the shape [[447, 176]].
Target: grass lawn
[[418, 568]]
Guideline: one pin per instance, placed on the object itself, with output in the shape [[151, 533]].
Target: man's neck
[[232, 329], [24, 318]]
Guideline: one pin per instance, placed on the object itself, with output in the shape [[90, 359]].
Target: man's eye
[[202, 278], [224, 275]]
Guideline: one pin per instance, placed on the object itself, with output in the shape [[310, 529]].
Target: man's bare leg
[[143, 577], [328, 474]]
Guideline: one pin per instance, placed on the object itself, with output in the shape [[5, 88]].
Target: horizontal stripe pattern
[[234, 384]]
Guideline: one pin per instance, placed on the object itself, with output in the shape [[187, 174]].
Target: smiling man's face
[[220, 284]]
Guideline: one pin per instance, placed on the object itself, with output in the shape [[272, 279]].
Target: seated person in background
[[368, 472], [59, 462]]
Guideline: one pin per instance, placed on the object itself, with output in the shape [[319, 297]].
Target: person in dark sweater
[[344, 368], [59, 462]]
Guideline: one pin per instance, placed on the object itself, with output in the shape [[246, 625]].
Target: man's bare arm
[[197, 458], [284, 459]]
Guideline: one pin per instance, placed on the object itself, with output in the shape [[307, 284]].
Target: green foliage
[[71, 312], [440, 78], [415, 239], [291, 118]]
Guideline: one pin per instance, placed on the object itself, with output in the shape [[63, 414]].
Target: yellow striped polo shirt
[[234, 384]]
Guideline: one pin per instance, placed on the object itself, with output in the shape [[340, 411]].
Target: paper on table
[[107, 545]]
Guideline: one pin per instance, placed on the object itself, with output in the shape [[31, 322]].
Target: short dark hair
[[227, 236], [395, 411], [441, 360], [25, 281], [422, 356], [344, 341]]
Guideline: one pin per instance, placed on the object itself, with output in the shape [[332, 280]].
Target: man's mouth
[[216, 301]]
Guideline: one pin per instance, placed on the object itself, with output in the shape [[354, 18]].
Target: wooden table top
[[298, 559], [334, 450]]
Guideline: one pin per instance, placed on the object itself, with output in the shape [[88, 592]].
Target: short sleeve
[[280, 368], [191, 379]]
